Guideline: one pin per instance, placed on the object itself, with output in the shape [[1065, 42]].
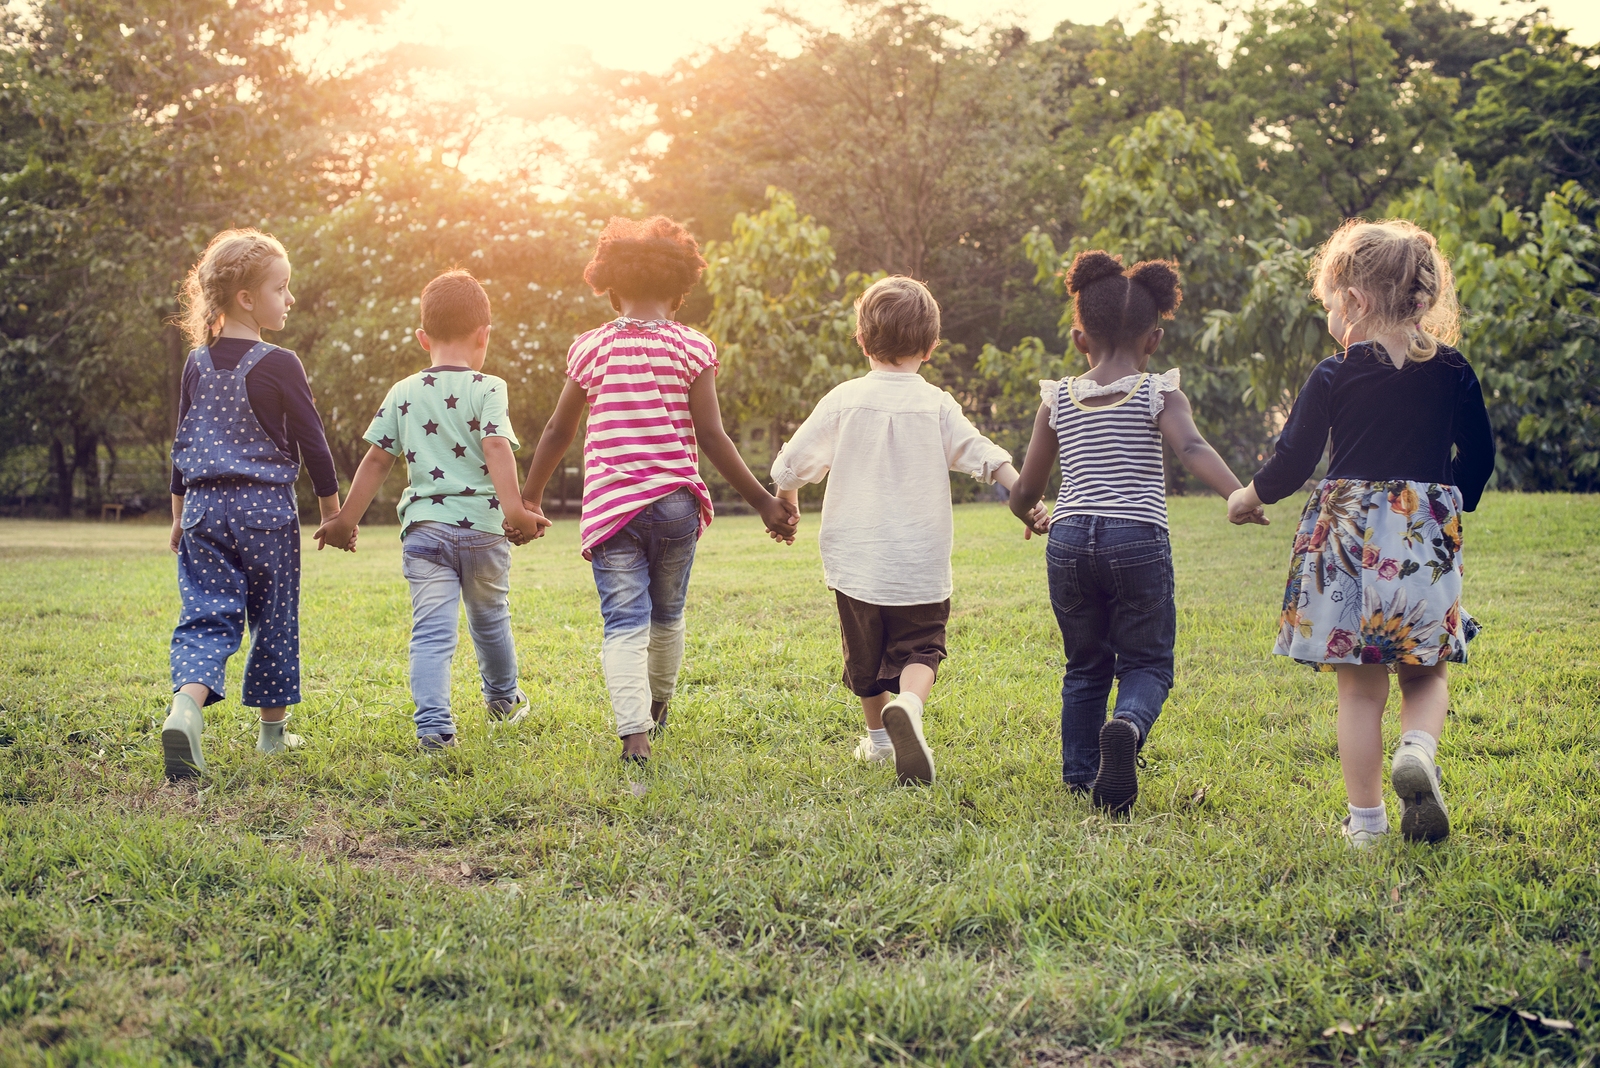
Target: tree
[[1536, 123]]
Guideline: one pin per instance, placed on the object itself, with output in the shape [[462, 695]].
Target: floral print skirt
[[1376, 577]]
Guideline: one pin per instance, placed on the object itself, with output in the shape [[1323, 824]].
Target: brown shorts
[[880, 640]]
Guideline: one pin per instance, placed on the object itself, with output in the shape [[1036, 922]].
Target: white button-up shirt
[[885, 443]]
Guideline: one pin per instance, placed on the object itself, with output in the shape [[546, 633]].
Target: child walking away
[[1109, 560], [246, 420], [652, 408], [1375, 580], [886, 443], [450, 422]]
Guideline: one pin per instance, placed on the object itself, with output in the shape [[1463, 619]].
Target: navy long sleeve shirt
[[1421, 422], [281, 398]]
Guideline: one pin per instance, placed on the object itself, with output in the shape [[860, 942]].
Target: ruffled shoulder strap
[[1049, 391], [1160, 386]]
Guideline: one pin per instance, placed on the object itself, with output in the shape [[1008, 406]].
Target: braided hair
[[1117, 306], [1398, 267], [233, 260]]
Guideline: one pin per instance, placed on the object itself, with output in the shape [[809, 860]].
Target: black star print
[[437, 498], [431, 427], [450, 402], [428, 380], [459, 450], [494, 502], [489, 428], [477, 378], [405, 406], [436, 474], [465, 524], [472, 424], [411, 457], [380, 413], [485, 468], [469, 492], [386, 442]]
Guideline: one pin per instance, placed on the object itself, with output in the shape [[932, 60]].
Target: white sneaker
[[913, 760], [1415, 777], [868, 753], [1359, 839]]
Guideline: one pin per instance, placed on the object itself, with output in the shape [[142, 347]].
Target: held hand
[[1037, 522], [177, 535], [333, 532], [528, 524], [782, 518], [1245, 507]]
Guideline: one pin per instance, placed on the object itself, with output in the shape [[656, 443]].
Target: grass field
[[752, 897]]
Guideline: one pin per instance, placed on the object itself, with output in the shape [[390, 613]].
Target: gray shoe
[[180, 739], [1415, 777], [272, 739], [433, 743], [1360, 839], [513, 709]]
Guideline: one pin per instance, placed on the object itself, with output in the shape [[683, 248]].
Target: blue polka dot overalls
[[239, 558]]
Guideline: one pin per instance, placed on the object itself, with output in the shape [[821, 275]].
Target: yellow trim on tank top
[[1082, 407]]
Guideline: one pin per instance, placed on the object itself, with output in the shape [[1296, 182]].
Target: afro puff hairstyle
[[1115, 306], [652, 259]]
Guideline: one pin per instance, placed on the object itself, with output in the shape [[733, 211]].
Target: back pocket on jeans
[[1144, 583], [1066, 595]]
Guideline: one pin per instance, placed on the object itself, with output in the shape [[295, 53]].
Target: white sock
[[1374, 820], [1424, 739], [879, 736]]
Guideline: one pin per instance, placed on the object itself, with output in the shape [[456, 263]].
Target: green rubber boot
[[273, 739], [180, 739]]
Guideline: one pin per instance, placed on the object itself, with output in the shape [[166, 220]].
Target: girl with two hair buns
[[1108, 557]]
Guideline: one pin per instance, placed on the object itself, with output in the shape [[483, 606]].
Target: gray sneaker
[[180, 739], [1415, 777], [1359, 839], [433, 743], [513, 709]]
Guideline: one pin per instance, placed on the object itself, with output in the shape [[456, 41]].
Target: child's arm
[[503, 473], [1043, 451], [553, 445], [338, 528], [177, 522], [1176, 423], [793, 497], [780, 516]]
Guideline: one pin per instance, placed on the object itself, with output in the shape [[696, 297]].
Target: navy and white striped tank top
[[1111, 453]]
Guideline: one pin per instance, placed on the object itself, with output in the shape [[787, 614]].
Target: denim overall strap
[[220, 437]]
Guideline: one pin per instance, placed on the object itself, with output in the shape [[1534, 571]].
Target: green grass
[[752, 898]]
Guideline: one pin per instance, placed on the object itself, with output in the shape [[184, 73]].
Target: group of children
[[1374, 584]]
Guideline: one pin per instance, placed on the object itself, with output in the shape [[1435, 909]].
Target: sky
[[650, 35]]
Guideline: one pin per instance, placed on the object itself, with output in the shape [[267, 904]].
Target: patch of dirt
[[1157, 1054], [372, 852]]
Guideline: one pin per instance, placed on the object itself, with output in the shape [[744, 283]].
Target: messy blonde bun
[[234, 260], [1398, 267]]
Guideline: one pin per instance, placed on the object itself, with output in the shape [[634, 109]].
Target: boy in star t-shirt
[[450, 423]]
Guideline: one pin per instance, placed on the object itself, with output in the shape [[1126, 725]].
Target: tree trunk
[[85, 458], [63, 472]]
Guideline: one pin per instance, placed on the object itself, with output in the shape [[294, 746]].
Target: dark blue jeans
[[1111, 589]]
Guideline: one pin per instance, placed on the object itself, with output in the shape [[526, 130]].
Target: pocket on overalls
[[266, 519]]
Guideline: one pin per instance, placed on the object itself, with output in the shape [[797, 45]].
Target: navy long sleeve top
[[1421, 422], [281, 398]]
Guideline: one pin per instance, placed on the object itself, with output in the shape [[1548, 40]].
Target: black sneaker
[[1117, 783]]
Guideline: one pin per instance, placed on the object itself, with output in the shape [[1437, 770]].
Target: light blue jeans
[[445, 567], [642, 575]]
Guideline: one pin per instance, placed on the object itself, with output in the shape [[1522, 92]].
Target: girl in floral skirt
[[1375, 580]]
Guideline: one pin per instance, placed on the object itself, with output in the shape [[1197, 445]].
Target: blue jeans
[[642, 574], [1111, 588], [446, 566]]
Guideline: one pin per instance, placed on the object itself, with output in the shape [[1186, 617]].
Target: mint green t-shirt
[[437, 420]]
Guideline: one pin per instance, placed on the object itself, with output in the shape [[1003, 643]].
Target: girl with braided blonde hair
[[246, 422], [1375, 579]]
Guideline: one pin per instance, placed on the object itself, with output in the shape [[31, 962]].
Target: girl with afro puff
[[652, 408], [1108, 558]]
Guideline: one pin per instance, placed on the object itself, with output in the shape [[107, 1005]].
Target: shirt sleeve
[[384, 430], [700, 354], [495, 419], [306, 436], [965, 449], [1160, 385], [1474, 441], [191, 375], [808, 456], [1303, 440]]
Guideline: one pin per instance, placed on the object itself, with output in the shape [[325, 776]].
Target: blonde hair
[[897, 318], [1397, 266], [233, 260]]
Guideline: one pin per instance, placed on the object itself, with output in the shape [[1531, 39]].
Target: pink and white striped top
[[641, 443]]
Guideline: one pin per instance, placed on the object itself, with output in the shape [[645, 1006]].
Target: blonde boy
[[886, 442]]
